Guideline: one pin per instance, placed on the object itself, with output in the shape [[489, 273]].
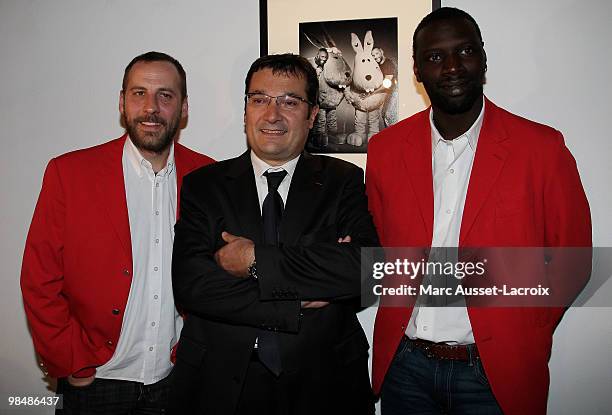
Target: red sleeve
[[568, 217], [567, 228], [52, 327]]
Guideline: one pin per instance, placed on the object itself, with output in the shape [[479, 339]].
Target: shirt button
[[424, 328], [157, 240], [448, 211], [155, 269], [126, 272], [151, 348], [153, 324], [155, 296], [156, 184], [115, 311], [157, 213], [452, 171], [109, 342]]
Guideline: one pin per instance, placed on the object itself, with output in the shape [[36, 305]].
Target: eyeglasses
[[284, 102]]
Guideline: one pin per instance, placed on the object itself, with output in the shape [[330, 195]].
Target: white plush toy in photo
[[364, 93]]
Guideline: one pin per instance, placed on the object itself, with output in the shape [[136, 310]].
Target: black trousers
[[301, 393], [113, 397]]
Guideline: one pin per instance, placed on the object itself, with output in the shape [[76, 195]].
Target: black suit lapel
[[244, 199], [304, 193]]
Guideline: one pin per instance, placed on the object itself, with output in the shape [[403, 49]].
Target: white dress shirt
[[260, 167], [151, 325], [452, 162]]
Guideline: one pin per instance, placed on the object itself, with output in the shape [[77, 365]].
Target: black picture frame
[[263, 23], [284, 27]]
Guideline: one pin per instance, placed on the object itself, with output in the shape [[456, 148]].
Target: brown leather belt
[[445, 351]]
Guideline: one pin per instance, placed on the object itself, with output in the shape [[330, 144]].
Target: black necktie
[[271, 213], [272, 208]]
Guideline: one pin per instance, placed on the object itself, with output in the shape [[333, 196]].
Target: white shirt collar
[[472, 133], [141, 165], [260, 166]]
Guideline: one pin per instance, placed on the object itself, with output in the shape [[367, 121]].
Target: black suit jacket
[[327, 346]]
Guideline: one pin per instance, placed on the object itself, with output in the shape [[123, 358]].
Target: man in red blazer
[[466, 173], [96, 268]]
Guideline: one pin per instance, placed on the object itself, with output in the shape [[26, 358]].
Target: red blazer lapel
[[416, 151], [111, 191], [111, 187], [488, 162]]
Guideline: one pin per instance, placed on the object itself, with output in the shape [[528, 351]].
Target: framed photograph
[[362, 56]]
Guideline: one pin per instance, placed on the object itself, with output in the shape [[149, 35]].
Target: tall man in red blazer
[[466, 173], [96, 277]]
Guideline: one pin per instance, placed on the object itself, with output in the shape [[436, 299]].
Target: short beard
[[150, 142], [455, 107]]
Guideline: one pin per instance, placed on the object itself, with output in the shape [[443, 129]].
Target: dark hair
[[157, 57], [444, 13], [288, 64]]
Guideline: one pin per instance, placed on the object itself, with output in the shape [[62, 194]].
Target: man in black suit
[[267, 266]]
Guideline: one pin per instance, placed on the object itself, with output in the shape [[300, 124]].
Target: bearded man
[[96, 269]]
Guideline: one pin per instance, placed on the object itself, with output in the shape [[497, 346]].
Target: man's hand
[[237, 255], [81, 382]]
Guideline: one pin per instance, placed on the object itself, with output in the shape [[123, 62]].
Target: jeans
[[114, 397], [417, 384]]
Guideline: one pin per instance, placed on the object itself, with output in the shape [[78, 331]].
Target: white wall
[[61, 70]]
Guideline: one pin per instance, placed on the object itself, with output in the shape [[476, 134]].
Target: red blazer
[[524, 191], [77, 265]]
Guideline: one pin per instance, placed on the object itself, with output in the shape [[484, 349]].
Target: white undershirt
[[452, 162], [151, 325]]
